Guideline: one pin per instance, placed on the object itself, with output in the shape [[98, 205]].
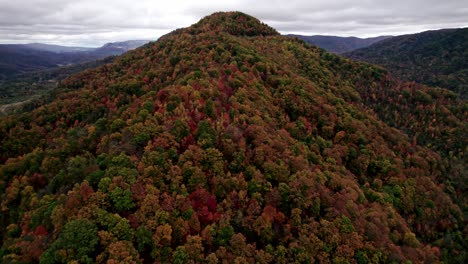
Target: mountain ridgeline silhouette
[[233, 23], [226, 142]]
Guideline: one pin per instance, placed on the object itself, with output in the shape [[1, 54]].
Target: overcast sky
[[95, 22]]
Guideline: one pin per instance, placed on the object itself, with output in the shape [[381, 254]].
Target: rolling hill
[[227, 142], [436, 58], [339, 44]]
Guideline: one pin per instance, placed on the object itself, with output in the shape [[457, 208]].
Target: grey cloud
[[79, 22]]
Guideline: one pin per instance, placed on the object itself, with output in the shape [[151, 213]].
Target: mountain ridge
[[20, 58], [222, 145], [54, 48], [338, 44], [435, 57]]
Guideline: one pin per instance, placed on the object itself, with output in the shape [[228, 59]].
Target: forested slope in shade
[[226, 142], [436, 58], [337, 44]]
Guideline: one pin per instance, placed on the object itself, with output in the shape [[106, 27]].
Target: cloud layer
[[94, 22]]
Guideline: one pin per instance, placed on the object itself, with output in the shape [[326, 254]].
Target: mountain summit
[[216, 144], [234, 23]]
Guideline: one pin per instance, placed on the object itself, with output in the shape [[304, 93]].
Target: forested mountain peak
[[238, 148], [234, 23]]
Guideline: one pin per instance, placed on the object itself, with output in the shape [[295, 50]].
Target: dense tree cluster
[[212, 147]]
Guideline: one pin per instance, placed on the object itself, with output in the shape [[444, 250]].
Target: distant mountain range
[[21, 58], [118, 48], [339, 44], [54, 48], [436, 58]]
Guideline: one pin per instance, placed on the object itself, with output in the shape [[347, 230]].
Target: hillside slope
[[339, 44], [224, 142], [436, 58]]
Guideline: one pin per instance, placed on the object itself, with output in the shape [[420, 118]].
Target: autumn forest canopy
[[226, 142]]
